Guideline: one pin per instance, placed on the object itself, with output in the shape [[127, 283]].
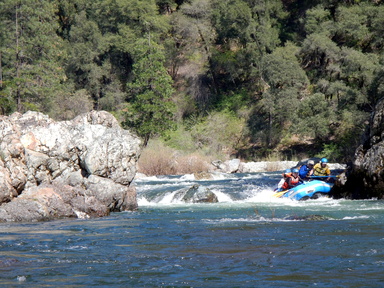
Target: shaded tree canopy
[[306, 70]]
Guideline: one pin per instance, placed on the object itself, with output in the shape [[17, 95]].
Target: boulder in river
[[196, 194]]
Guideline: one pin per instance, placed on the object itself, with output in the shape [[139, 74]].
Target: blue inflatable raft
[[308, 190]]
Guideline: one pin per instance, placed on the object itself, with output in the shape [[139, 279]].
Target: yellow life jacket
[[318, 170]]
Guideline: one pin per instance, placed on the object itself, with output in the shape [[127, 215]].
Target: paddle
[[330, 176], [279, 194]]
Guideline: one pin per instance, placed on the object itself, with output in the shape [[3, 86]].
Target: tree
[[318, 20], [314, 116], [85, 64], [150, 111], [102, 38], [351, 27], [376, 16], [320, 57], [191, 50], [32, 54], [232, 20], [286, 85], [246, 31]]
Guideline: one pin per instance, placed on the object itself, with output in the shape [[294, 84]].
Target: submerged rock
[[307, 218], [8, 262], [52, 169], [203, 176]]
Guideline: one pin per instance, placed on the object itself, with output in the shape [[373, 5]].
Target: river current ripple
[[248, 239]]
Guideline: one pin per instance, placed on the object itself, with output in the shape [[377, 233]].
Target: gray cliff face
[[77, 168], [366, 179]]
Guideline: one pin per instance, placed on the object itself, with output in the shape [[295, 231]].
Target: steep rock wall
[[366, 178]]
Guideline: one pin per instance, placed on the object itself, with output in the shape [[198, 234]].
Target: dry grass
[[157, 159], [156, 162], [272, 166]]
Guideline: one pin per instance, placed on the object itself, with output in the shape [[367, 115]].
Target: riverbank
[[237, 166]]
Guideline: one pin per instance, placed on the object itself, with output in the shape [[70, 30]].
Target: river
[[248, 239]]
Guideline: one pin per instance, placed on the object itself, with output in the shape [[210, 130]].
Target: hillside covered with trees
[[244, 78]]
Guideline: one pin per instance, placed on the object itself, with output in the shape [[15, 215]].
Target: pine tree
[[32, 54], [151, 108]]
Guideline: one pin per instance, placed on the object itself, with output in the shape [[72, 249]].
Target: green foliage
[[314, 117], [235, 101], [31, 53], [358, 71], [72, 105], [232, 19], [320, 56], [284, 90], [318, 20], [330, 151], [181, 139], [216, 135], [219, 133], [84, 65], [376, 26], [151, 110], [193, 57], [268, 18], [7, 104], [376, 90], [231, 73], [351, 26]]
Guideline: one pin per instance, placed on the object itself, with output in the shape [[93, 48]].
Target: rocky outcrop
[[78, 168], [365, 180], [229, 166]]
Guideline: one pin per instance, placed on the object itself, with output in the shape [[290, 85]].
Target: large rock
[[91, 158], [193, 194], [46, 202], [229, 166], [366, 178], [197, 194]]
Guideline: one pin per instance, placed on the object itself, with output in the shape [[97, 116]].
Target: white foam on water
[[356, 217], [227, 220], [222, 197], [240, 190], [187, 177], [147, 178], [256, 219], [169, 198], [21, 278], [264, 196], [142, 201], [221, 176]]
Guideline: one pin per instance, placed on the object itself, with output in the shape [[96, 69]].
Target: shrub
[[68, 107], [158, 159], [192, 163], [220, 133]]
